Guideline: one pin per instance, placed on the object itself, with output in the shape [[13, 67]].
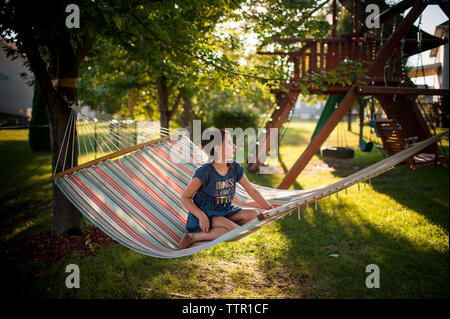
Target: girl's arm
[[186, 199], [253, 193]]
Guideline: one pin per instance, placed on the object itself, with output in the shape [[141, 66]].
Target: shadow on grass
[[25, 188], [424, 190], [407, 269]]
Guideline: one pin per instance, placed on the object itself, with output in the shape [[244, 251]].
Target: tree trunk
[[163, 103], [66, 218], [187, 120], [64, 64]]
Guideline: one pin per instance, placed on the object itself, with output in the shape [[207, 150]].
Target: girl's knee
[[251, 214], [219, 221]]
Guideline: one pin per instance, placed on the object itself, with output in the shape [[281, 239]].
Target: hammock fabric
[[135, 199]]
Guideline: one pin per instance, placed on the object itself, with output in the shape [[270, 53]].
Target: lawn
[[399, 222]]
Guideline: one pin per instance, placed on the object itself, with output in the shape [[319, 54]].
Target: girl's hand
[[248, 204], [255, 205], [204, 223]]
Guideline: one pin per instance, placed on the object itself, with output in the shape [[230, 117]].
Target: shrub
[[39, 134], [232, 118]]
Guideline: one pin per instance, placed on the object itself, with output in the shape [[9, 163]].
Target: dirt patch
[[344, 164], [317, 166], [331, 165], [48, 248]]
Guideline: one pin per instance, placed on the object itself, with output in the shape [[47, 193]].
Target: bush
[[39, 134], [232, 118]]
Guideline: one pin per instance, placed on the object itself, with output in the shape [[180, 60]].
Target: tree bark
[[187, 120], [163, 103], [64, 64]]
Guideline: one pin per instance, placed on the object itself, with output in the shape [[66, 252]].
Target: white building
[[16, 96], [304, 110], [440, 55], [434, 75]]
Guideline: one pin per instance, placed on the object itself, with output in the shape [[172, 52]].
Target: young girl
[[209, 195]]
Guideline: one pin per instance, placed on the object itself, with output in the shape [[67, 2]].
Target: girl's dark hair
[[210, 149]]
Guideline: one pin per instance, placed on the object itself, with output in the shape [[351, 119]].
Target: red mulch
[[48, 248]]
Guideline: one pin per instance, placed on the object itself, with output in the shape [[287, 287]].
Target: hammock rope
[[133, 195]]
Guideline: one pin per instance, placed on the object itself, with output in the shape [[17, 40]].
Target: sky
[[431, 17]]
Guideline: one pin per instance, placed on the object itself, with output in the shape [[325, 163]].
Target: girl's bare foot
[[186, 241]]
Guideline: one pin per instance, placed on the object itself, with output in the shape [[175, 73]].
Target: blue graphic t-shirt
[[217, 191]]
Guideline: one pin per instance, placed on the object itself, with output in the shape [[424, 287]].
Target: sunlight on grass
[[387, 216]]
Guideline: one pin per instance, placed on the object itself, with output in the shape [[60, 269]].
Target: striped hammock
[[135, 198]]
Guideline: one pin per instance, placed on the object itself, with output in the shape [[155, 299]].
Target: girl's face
[[226, 152]]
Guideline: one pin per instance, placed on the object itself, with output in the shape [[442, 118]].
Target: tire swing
[[339, 152]]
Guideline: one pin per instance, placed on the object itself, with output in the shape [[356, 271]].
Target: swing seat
[[365, 146], [338, 152]]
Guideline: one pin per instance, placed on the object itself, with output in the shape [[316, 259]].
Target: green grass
[[400, 223], [25, 189]]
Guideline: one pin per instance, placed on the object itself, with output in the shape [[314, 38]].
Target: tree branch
[[83, 50], [38, 66], [171, 45]]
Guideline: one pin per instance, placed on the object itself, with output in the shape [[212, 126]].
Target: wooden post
[[333, 32], [303, 64], [296, 68], [322, 56], [283, 113], [313, 57]]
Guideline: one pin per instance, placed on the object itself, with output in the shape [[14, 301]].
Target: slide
[[330, 106]]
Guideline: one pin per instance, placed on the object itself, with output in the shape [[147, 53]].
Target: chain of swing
[[420, 63]]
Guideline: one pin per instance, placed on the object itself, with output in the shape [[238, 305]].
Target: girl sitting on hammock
[[209, 195]]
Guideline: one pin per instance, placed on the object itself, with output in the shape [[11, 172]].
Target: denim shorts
[[193, 224]]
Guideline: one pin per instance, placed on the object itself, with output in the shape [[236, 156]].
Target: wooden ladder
[[394, 141]]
